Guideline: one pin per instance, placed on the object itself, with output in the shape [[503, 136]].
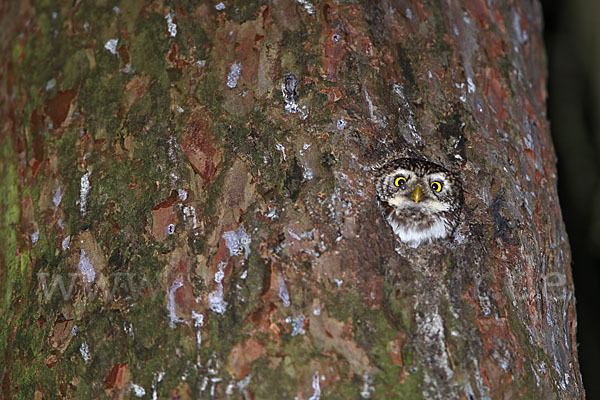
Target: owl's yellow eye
[[437, 186], [400, 180]]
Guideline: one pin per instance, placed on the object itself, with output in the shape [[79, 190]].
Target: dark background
[[572, 35]]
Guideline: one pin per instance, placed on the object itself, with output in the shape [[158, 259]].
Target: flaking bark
[[199, 178]]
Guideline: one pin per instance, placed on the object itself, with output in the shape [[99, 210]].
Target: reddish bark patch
[[496, 94], [172, 199], [497, 337], [124, 50], [241, 358], [57, 108], [333, 51], [333, 93], [481, 12], [271, 285], [184, 300], [136, 88], [174, 58], [199, 147], [117, 377], [38, 144], [395, 348], [164, 219], [51, 361], [184, 296], [250, 37]]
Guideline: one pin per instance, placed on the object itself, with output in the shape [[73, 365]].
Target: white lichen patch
[[288, 91], [170, 229], [84, 349], [84, 192], [280, 147], [303, 112], [127, 68], [189, 213], [305, 147], [316, 387], [50, 84], [35, 237], [237, 242], [57, 197], [137, 390], [283, 294], [220, 6], [183, 194], [171, 26], [470, 85], [272, 214], [156, 379], [111, 45], [298, 325], [198, 323], [290, 106], [198, 319], [128, 329], [371, 107], [307, 173], [215, 299], [86, 268], [462, 97], [367, 388], [65, 243], [308, 7], [528, 140], [521, 34], [234, 74], [375, 115], [173, 318], [172, 152]]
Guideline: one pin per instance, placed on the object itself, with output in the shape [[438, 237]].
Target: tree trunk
[[189, 208]]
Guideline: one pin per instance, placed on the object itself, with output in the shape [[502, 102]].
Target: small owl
[[422, 200]]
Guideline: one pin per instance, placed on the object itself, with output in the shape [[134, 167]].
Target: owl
[[422, 201]]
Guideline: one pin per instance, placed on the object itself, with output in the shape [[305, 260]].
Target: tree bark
[[199, 178]]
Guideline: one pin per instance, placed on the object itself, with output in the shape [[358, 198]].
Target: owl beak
[[417, 194]]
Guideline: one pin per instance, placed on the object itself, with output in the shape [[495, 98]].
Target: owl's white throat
[[416, 234]]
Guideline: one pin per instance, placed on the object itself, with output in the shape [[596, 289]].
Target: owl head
[[421, 200]]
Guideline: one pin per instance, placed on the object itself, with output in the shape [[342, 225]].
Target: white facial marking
[[400, 202], [439, 178], [401, 171]]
